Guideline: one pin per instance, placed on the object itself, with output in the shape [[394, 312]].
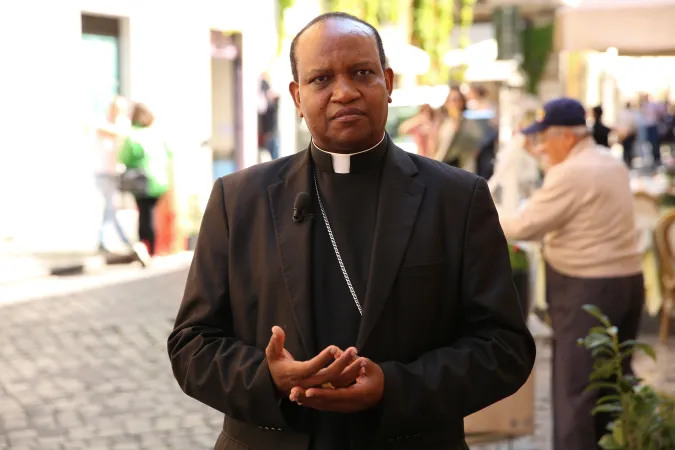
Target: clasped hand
[[356, 383]]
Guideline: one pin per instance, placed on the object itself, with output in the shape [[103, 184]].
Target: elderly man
[[584, 214], [383, 277]]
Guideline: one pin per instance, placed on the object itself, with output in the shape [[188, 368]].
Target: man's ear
[[294, 89], [389, 80]]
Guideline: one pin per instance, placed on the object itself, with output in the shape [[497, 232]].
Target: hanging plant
[[445, 14], [466, 21], [353, 7], [537, 47], [371, 12], [282, 6], [389, 11], [423, 31]]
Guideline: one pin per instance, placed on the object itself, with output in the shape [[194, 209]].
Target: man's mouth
[[347, 114]]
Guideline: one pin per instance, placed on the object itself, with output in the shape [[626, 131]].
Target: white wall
[[46, 190]]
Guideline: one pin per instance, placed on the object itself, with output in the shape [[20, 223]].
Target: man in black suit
[[384, 277]]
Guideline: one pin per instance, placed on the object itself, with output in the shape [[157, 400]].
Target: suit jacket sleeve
[[494, 354], [208, 361]]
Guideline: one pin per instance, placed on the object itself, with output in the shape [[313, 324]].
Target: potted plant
[[643, 418], [520, 267], [194, 220]]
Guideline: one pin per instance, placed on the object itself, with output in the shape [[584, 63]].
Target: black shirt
[[350, 201]]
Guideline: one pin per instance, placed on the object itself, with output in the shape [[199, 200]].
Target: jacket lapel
[[293, 243], [399, 201]]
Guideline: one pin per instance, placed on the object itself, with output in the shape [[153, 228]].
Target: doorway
[[102, 71], [226, 102]]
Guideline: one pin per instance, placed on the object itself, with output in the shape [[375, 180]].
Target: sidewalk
[[17, 265], [84, 366], [96, 275]]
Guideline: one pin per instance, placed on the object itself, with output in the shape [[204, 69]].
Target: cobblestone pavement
[[89, 370]]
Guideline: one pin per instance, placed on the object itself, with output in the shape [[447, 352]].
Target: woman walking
[[148, 175]]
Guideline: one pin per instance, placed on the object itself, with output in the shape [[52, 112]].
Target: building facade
[[67, 59]]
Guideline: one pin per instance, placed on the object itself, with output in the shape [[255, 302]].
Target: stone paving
[[89, 370]]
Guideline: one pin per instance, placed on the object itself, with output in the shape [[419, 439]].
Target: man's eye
[[363, 72], [320, 79]]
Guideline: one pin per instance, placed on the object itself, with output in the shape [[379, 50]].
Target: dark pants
[[621, 299], [628, 144], [146, 224], [655, 141]]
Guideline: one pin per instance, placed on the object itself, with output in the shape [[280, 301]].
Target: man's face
[[342, 91], [556, 144]]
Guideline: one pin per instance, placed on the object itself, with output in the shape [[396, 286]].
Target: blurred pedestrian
[[420, 126], [651, 114], [268, 118], [149, 173], [386, 265], [109, 136], [626, 132], [584, 214], [600, 131], [455, 139]]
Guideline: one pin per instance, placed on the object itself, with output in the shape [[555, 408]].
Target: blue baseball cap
[[560, 112]]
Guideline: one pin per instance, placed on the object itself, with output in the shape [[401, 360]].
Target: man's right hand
[[288, 373]]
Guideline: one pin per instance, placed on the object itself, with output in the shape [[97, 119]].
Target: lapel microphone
[[301, 207]]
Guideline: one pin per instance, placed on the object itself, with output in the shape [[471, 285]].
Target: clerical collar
[[350, 162]]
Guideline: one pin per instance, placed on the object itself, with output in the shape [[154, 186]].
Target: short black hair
[[597, 112], [336, 16]]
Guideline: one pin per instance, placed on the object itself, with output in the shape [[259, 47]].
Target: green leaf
[[601, 385], [600, 351], [597, 340], [628, 343], [647, 349], [617, 434], [597, 330], [607, 442], [607, 408], [633, 345], [595, 312], [608, 399]]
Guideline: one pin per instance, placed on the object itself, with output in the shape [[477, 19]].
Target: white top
[[342, 161]]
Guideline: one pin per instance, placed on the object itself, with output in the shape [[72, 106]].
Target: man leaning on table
[[584, 214]]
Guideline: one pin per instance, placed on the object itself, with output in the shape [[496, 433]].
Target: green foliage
[[194, 215], [466, 20], [537, 47], [432, 25], [375, 12], [643, 419], [282, 6], [354, 7], [518, 256]]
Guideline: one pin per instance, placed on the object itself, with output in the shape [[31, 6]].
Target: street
[[89, 370]]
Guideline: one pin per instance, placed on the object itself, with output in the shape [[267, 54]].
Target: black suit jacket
[[441, 315]]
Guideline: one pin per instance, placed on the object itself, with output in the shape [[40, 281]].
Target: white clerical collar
[[342, 161]]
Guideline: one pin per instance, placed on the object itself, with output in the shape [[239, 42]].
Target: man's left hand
[[364, 394]]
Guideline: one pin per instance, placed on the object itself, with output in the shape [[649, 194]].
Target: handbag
[[134, 181]]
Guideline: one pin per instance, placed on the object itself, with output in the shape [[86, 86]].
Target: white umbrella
[[407, 59]]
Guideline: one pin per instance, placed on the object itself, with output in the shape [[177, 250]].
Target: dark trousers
[[628, 143], [655, 141], [146, 223], [621, 299]]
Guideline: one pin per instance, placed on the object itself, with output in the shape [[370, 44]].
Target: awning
[[634, 27]]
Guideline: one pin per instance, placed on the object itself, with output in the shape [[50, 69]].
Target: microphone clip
[[299, 216]]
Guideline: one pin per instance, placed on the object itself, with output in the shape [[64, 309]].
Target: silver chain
[[332, 241]]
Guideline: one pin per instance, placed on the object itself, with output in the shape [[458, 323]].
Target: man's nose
[[344, 90]]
